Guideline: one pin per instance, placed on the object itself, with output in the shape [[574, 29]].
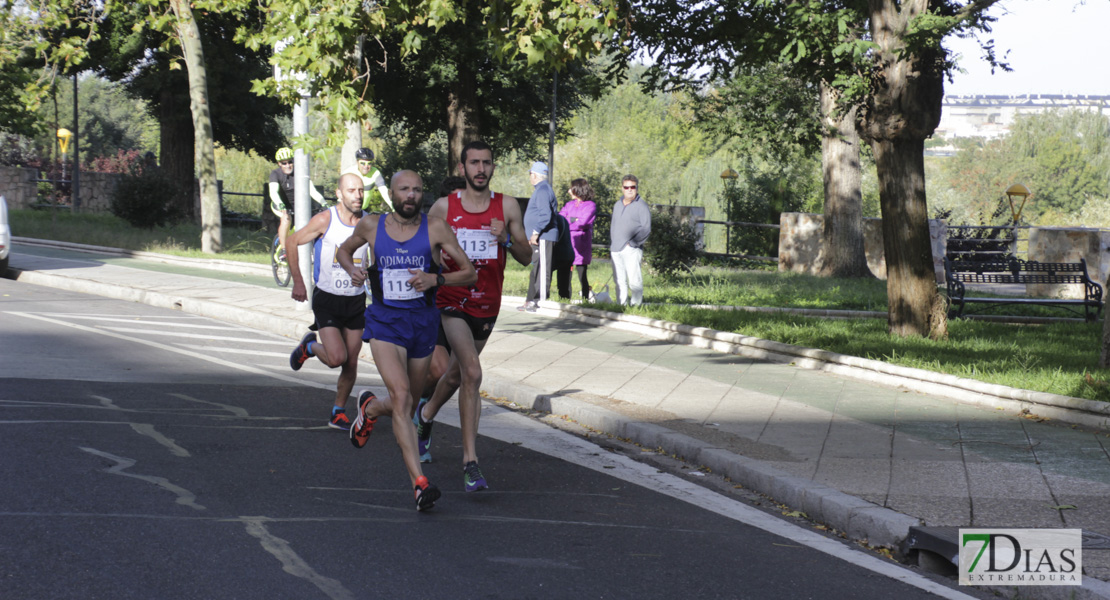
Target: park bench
[[1016, 271]]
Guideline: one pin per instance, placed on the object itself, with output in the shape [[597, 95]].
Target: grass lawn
[[1059, 358]]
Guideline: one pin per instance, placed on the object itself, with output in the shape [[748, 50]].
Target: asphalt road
[[152, 454]]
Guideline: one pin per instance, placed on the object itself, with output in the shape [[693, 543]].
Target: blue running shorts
[[414, 330]]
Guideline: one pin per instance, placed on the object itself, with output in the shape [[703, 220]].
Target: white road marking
[[167, 348], [184, 496], [507, 426], [177, 334], [247, 351], [237, 411], [291, 562], [145, 321], [148, 430]]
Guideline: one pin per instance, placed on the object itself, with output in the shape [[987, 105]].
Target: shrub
[[672, 247], [142, 199]]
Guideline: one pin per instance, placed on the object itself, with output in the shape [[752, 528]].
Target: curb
[[1064, 409], [857, 518], [211, 264]]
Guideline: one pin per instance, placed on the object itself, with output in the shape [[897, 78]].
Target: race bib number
[[478, 244], [395, 285]]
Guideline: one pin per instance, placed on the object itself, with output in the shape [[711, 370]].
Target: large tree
[[456, 86], [551, 33], [148, 60], [885, 59]]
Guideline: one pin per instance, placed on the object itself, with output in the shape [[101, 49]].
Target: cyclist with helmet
[[371, 183], [280, 191]]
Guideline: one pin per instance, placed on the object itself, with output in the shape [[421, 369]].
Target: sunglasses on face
[[285, 162], [629, 187]]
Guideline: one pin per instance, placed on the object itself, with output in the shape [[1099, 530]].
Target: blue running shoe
[[423, 432], [472, 477], [300, 353]]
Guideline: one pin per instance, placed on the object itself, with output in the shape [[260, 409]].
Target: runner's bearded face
[[407, 192], [478, 169]]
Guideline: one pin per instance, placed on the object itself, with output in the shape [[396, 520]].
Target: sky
[[1055, 47]]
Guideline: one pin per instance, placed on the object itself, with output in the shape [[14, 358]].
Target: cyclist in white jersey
[[337, 303]]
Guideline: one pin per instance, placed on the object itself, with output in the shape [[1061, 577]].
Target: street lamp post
[[64, 135], [1017, 191], [728, 175]]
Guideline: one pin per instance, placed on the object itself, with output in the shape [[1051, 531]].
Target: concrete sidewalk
[[848, 442]]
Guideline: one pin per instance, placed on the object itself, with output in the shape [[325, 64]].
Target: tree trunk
[[462, 117], [189, 36], [901, 110], [177, 152], [842, 252], [347, 161], [915, 306]]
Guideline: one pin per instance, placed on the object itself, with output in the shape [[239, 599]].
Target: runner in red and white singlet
[[489, 227], [483, 299]]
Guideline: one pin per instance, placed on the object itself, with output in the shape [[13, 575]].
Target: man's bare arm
[[363, 234], [521, 250], [317, 226], [443, 239], [439, 209]]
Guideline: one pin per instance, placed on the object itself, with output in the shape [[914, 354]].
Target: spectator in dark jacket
[[539, 224]]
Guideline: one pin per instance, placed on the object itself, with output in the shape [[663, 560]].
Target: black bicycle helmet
[[364, 154]]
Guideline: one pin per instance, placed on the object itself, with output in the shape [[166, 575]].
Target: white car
[[5, 237]]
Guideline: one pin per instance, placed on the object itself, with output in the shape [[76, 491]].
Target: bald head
[[406, 189], [349, 179]]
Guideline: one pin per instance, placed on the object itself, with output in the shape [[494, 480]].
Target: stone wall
[[800, 244], [19, 188], [1059, 244]]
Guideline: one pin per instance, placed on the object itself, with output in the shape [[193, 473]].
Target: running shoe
[[473, 479], [426, 494], [339, 420], [363, 427], [300, 353], [423, 432]]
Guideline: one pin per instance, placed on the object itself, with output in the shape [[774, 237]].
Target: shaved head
[[406, 190]]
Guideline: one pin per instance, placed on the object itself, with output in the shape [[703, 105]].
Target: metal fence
[[983, 243], [728, 239]]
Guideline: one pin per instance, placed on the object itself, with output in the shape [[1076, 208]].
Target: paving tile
[[1007, 480], [933, 510], [855, 476]]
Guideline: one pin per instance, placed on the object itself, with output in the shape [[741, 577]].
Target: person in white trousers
[[630, 228]]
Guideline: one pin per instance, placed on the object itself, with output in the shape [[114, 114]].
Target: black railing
[[728, 239]]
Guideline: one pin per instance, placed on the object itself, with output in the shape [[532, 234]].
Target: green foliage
[[672, 247], [529, 31], [507, 104], [1063, 157], [765, 110], [110, 121], [36, 46], [139, 201]]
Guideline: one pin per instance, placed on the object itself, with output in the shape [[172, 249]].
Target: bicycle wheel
[[277, 261]]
